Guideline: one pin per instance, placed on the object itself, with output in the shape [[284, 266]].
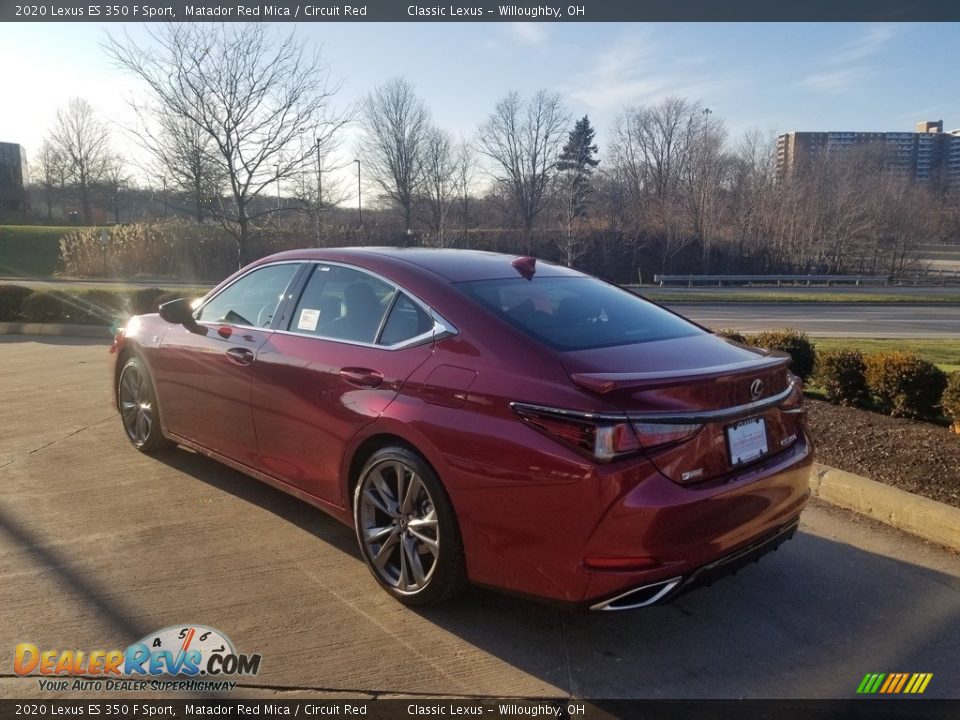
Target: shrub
[[47, 306], [11, 302], [146, 300], [101, 307], [950, 402], [904, 384], [793, 342], [731, 334], [842, 375]]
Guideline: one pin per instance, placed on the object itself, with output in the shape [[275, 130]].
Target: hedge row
[[901, 384], [793, 342], [85, 307]]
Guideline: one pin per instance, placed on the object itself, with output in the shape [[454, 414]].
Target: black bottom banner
[[504, 709]]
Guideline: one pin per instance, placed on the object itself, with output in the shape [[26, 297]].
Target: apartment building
[[927, 154], [13, 171]]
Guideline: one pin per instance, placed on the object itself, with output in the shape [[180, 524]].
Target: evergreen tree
[[576, 165], [578, 160]]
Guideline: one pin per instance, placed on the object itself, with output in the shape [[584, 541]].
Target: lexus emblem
[[756, 388]]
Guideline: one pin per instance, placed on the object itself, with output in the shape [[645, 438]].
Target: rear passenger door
[[352, 341]]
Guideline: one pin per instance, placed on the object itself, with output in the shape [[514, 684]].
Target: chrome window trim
[[670, 418], [441, 327], [210, 296]]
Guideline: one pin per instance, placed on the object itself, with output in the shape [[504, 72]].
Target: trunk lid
[[699, 379]]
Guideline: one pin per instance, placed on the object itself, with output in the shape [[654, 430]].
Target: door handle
[[362, 377], [240, 355]]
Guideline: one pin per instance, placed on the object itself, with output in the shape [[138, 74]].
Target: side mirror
[[179, 312]]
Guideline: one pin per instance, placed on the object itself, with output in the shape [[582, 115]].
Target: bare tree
[[702, 179], [83, 142], [466, 175], [440, 169], [49, 174], [115, 180], [186, 154], [654, 147], [254, 96], [320, 188], [396, 126], [523, 139]]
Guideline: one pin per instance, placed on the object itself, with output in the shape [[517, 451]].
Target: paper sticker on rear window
[[308, 319]]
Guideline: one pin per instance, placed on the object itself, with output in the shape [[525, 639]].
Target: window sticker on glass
[[308, 319]]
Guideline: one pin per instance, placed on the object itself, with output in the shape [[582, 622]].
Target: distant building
[[13, 171], [926, 154]]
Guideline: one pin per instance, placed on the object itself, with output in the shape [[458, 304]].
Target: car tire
[[406, 528], [138, 407]]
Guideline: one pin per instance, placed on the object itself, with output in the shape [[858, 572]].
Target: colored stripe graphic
[[894, 683]]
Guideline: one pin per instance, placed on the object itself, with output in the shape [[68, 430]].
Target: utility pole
[[319, 196], [164, 197], [278, 187], [359, 203]]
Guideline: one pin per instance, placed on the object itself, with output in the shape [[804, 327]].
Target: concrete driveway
[[100, 545]]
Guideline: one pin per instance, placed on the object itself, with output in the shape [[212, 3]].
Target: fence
[[719, 280]]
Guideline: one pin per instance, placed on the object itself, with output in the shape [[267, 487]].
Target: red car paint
[[537, 516]]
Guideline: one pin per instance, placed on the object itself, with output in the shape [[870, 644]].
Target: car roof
[[450, 264]]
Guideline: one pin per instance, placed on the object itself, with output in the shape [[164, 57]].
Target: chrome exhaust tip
[[639, 597]]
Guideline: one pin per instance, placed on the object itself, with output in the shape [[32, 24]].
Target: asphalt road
[[805, 290], [830, 320], [100, 545]]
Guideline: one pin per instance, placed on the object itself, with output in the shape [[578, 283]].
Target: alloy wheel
[[398, 526], [136, 404]]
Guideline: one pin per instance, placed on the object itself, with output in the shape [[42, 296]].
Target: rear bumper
[[664, 591], [544, 540]]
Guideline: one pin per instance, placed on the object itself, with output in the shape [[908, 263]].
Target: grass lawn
[[944, 353], [30, 250]]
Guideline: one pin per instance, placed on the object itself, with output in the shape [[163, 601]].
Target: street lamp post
[[359, 202], [319, 196]]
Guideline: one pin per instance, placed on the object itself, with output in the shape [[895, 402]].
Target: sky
[[775, 77]]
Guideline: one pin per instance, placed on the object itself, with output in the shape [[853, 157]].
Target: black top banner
[[478, 11]]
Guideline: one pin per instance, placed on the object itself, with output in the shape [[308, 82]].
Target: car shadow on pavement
[[275, 501], [808, 621]]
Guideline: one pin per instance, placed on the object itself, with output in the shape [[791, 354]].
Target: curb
[[911, 513], [61, 329]]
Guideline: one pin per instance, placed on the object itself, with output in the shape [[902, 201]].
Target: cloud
[[847, 67], [637, 69], [529, 33]]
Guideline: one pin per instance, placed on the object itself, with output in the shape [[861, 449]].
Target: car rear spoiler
[[603, 383]]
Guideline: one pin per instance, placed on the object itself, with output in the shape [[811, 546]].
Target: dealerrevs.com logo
[[188, 657]]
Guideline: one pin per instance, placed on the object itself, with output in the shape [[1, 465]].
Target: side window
[[252, 300], [341, 303], [406, 320]]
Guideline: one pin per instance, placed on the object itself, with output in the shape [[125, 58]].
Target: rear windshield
[[576, 313]]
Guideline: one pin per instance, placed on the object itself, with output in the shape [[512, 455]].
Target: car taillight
[[653, 435], [601, 438]]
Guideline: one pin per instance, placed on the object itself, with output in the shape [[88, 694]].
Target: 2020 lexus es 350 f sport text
[[481, 417]]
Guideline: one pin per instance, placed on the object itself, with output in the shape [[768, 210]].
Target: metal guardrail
[[719, 280]]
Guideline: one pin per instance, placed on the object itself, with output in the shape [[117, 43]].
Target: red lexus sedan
[[481, 417]]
